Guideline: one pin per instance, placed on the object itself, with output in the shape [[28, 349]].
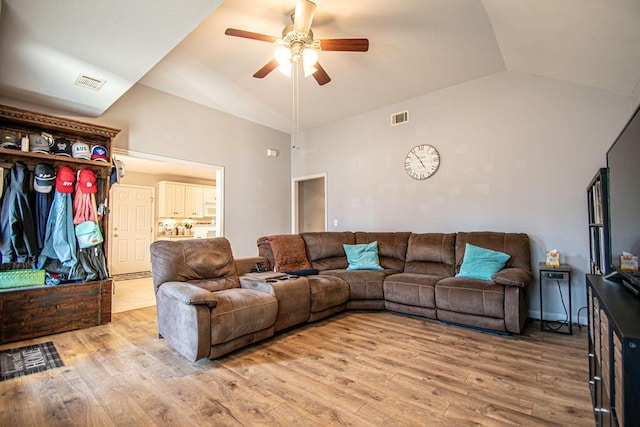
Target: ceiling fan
[[297, 45]]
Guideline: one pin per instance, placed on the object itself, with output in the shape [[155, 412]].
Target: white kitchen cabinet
[[171, 200], [209, 196], [193, 201], [181, 200]]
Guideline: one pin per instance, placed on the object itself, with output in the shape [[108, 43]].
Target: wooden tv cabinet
[[614, 352]]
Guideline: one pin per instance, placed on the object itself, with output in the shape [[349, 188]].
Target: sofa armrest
[[189, 294], [513, 277]]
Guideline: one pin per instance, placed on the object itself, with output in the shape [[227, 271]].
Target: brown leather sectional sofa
[[209, 306]]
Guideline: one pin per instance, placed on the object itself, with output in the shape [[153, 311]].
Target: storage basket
[[23, 277]]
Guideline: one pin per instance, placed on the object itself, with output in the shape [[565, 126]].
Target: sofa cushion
[[470, 296], [363, 257], [289, 252], [327, 292], [392, 247], [241, 312], [207, 263], [431, 253], [481, 263], [363, 284], [325, 250], [411, 289]]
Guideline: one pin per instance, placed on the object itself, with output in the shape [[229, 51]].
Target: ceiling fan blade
[[345, 45], [269, 67], [321, 75], [303, 16], [249, 35]]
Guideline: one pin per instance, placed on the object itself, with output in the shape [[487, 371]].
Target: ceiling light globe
[[283, 55], [309, 57]]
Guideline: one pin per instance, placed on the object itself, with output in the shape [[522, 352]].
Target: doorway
[[131, 219], [309, 204]]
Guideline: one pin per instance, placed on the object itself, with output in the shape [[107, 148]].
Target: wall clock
[[422, 161]]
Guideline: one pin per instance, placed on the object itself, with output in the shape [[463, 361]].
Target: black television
[[623, 164]]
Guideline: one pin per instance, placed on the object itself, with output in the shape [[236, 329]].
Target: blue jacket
[[17, 232], [60, 238]]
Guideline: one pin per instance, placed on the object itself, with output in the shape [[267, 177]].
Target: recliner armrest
[[189, 294], [513, 277]]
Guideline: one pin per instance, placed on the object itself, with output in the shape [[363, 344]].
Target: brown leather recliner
[[202, 310]]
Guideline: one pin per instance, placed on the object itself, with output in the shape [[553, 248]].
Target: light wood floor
[[356, 368], [132, 294]]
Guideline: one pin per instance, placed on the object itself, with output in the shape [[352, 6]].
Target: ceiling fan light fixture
[[309, 70], [309, 57], [285, 69], [283, 55]]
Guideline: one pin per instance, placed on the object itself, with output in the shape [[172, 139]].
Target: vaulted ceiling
[[416, 47]]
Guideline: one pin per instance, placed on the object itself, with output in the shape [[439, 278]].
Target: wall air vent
[[399, 118], [89, 82]]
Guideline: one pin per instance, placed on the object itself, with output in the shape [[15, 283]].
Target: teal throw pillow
[[481, 263], [363, 257]]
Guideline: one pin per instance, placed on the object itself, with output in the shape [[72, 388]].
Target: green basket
[[20, 278]]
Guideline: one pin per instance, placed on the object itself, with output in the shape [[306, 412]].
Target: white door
[[131, 228]]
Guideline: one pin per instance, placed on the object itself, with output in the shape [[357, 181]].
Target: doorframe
[[295, 208], [217, 170], [111, 209]]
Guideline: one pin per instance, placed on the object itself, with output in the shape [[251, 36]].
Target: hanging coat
[[60, 240], [17, 231]]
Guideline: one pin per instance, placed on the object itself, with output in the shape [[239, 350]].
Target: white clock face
[[422, 161]]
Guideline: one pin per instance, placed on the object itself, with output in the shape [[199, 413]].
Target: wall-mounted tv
[[623, 163]]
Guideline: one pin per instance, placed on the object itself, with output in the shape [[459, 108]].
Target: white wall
[[517, 153], [257, 187]]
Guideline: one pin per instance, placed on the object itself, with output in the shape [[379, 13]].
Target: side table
[[560, 273]]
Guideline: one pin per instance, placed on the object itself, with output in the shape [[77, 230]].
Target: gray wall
[[517, 153], [257, 187]]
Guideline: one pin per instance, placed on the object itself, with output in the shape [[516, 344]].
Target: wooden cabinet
[[36, 311], [193, 201], [48, 310], [598, 211], [171, 199], [614, 352], [181, 200], [209, 196]]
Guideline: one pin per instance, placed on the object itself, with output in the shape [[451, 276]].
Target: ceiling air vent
[[89, 82], [400, 118]]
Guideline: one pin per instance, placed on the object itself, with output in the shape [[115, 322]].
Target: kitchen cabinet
[[182, 200], [171, 200], [193, 201], [209, 196]]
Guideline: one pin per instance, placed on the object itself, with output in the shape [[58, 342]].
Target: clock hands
[[418, 157]]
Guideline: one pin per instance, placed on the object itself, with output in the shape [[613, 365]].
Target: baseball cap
[[87, 180], [65, 180], [117, 171], [80, 150], [98, 152], [38, 144], [9, 140], [44, 178], [62, 147]]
